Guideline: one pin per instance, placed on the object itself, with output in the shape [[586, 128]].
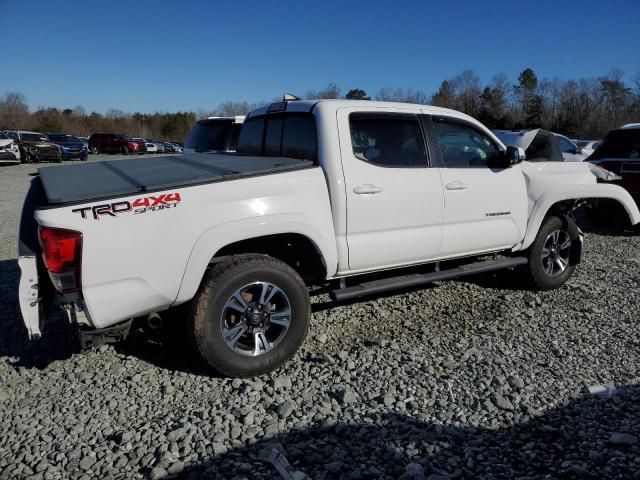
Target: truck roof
[[334, 104]]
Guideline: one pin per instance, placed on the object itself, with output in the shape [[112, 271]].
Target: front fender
[[576, 192], [219, 236]]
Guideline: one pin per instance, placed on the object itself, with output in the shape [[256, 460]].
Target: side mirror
[[514, 155]]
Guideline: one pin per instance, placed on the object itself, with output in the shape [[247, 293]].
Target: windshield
[[61, 137], [34, 137], [582, 143], [623, 143], [122, 136], [209, 135], [3, 136]]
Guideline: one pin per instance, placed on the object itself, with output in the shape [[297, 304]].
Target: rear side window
[[273, 137], [251, 137], [287, 135], [387, 140]]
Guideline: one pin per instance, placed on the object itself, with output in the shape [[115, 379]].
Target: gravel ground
[[466, 379]]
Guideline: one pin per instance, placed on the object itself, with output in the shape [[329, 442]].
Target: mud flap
[[577, 240], [29, 297]]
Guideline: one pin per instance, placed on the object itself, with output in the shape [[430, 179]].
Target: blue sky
[[166, 55]]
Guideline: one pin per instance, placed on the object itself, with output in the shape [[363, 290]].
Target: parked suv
[[70, 147], [115, 143], [214, 134], [619, 153], [35, 147]]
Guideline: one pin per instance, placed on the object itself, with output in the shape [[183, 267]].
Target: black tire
[[125, 150], [57, 159], [95, 150], [84, 159], [209, 310], [538, 269]]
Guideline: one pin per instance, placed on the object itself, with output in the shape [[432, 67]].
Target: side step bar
[[417, 279]]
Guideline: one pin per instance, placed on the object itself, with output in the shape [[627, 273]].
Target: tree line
[[582, 108]]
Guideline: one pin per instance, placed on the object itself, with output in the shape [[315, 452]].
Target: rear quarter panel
[[143, 261]]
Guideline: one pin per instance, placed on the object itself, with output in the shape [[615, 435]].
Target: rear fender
[[220, 236]]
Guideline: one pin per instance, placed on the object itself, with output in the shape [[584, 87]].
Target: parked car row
[[28, 147], [124, 144]]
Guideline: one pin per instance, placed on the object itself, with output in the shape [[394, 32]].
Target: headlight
[[604, 175]]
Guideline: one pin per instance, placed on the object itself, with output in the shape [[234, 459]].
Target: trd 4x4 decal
[[152, 203]]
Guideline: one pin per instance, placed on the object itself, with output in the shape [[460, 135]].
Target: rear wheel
[[125, 150], [550, 255], [250, 315]]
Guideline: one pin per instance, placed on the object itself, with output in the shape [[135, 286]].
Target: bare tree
[[14, 112]]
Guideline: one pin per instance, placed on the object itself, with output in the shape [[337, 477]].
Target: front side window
[[34, 137], [387, 140], [464, 146]]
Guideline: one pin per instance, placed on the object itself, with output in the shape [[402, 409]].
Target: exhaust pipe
[[154, 321]]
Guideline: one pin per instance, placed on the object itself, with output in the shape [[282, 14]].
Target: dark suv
[[619, 153], [214, 134], [115, 143]]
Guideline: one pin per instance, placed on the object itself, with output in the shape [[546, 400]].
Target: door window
[[388, 140], [464, 146]]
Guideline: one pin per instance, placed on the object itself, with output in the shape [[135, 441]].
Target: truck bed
[[116, 178]]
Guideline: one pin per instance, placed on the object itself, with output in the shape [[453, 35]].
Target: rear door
[[485, 208], [394, 198]]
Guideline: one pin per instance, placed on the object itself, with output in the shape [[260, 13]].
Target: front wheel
[[95, 150], [550, 264], [250, 315]]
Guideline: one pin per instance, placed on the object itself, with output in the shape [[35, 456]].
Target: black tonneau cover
[[115, 178]]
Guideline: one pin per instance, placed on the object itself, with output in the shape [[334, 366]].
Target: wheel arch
[[554, 202], [307, 250]]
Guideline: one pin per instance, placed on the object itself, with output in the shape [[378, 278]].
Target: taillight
[[61, 252]]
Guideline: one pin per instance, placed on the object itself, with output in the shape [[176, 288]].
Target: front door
[[485, 208], [394, 199]]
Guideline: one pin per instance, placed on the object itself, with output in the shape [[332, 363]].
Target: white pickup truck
[[320, 193]]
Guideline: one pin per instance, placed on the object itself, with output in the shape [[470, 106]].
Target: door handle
[[456, 185], [366, 189]]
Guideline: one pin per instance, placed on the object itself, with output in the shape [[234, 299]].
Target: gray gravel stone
[[618, 438], [158, 473], [476, 378]]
